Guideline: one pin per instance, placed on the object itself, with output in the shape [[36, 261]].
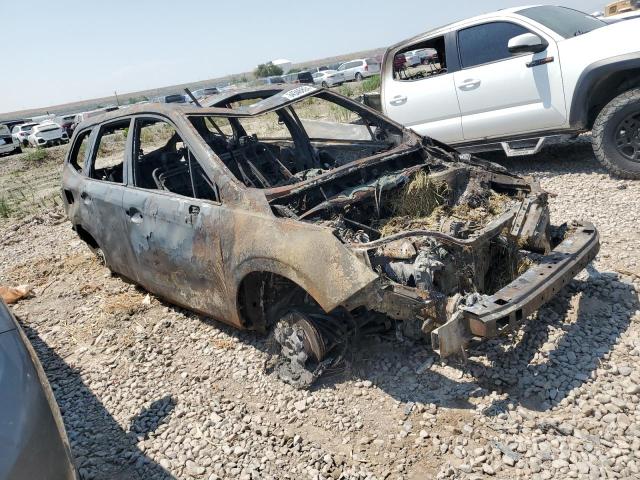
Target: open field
[[149, 390]]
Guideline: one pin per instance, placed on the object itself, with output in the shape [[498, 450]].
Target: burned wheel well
[[86, 236], [264, 296]]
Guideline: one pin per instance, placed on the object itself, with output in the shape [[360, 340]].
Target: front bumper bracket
[[508, 307]]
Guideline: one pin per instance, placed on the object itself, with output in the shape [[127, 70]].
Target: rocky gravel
[[148, 390]]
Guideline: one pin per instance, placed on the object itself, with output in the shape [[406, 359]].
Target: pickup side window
[[79, 151], [487, 43], [109, 152], [420, 60], [162, 161]]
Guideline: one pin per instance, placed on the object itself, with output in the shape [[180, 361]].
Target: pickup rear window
[[564, 21]]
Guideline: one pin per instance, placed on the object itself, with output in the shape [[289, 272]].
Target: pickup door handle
[[398, 100], [135, 215], [469, 84], [85, 197]]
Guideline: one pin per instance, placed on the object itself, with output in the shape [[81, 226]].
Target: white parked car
[[511, 79], [412, 58], [359, 69], [21, 133], [47, 134], [328, 78], [8, 144]]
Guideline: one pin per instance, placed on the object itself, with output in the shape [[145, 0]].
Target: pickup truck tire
[[621, 113]]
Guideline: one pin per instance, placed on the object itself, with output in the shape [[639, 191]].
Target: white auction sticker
[[298, 92]]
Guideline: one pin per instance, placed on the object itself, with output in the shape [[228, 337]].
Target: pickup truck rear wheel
[[616, 135]]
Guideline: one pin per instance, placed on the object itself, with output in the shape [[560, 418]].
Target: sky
[[60, 52]]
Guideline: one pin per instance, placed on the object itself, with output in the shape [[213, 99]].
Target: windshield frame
[[551, 21], [298, 131]]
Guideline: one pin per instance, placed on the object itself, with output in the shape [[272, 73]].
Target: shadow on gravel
[[149, 419], [539, 375], [101, 448]]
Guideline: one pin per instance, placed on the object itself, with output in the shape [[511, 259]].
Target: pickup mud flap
[[509, 306]]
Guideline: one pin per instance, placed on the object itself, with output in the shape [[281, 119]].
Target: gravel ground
[[148, 390]]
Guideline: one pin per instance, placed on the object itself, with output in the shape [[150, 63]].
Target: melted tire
[[297, 350], [604, 132]]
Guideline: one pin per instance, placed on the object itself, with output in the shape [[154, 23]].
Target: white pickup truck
[[514, 78]]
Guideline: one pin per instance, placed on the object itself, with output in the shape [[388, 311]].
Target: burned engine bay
[[440, 226], [445, 235]]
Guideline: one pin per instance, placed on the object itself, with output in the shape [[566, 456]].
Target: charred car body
[[298, 210]]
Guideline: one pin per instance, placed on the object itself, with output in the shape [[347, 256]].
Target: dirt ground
[[149, 390]]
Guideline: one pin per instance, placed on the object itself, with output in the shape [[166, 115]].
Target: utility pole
[[117, 100]]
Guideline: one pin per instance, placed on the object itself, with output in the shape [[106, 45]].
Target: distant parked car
[[428, 55], [12, 123], [67, 123], [272, 80], [322, 68], [205, 92], [34, 442], [173, 98], [47, 134], [21, 133], [299, 77], [328, 78], [412, 58], [8, 144], [359, 69]]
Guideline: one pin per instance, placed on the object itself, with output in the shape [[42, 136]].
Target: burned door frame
[[98, 196], [175, 238]]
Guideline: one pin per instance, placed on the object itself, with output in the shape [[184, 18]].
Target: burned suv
[[299, 211]]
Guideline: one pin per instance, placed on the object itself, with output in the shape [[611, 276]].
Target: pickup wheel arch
[[600, 83]]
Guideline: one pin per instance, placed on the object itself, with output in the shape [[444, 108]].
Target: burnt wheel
[[303, 344], [616, 135]]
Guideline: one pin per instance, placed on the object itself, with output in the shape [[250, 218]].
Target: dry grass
[[41, 271], [127, 302], [422, 204], [420, 197]]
